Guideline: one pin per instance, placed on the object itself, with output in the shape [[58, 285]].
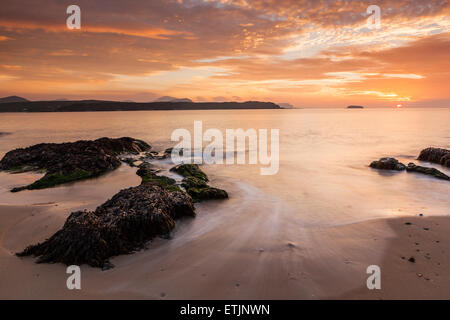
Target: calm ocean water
[[274, 230], [323, 176]]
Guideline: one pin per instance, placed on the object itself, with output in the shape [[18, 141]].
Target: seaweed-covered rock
[[435, 155], [148, 174], [388, 164], [121, 225], [195, 183], [190, 170], [426, 170], [146, 169], [199, 190], [67, 162]]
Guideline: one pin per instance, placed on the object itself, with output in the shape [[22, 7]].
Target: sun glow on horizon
[[304, 52]]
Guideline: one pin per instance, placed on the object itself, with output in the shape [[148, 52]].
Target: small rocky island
[[434, 155], [355, 107], [128, 220]]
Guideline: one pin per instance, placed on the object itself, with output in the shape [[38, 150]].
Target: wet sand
[[227, 260], [427, 241]]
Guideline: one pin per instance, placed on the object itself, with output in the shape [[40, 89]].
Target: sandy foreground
[[233, 262]]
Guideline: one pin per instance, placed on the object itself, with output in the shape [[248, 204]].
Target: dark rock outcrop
[[149, 175], [121, 225], [67, 162], [388, 164], [195, 183], [124, 223], [426, 170], [435, 155]]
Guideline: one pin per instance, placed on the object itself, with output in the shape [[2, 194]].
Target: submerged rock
[[426, 170], [435, 155], [195, 183], [121, 225], [388, 164], [67, 162]]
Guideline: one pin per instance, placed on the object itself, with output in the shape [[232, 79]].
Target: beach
[[282, 270], [308, 232]]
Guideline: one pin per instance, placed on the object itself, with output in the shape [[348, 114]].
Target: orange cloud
[[308, 53]]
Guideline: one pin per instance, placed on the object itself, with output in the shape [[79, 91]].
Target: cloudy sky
[[310, 53]]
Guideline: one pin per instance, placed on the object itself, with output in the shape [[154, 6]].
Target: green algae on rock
[[68, 162]]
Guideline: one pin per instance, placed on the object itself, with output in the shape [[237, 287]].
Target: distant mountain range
[[172, 99], [12, 99], [18, 104]]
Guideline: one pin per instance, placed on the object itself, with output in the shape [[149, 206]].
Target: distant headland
[[18, 104]]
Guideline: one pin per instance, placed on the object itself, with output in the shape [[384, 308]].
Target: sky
[[309, 53]]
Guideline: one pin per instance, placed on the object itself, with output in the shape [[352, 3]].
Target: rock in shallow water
[[121, 225], [435, 155], [195, 183], [148, 174], [388, 164], [425, 170], [67, 162]]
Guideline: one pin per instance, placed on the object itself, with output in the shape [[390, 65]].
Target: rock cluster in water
[[67, 162], [121, 225], [128, 220], [435, 155]]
